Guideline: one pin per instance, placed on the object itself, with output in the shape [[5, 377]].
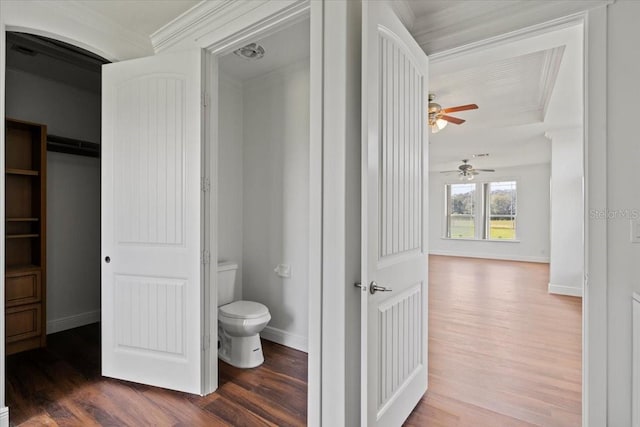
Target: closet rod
[[61, 144]]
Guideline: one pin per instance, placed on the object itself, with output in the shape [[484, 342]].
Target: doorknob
[[373, 288], [107, 259]]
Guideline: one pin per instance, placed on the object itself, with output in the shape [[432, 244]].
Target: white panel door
[[151, 168], [395, 161]]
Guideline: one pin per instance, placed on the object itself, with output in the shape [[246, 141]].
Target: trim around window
[[482, 211]]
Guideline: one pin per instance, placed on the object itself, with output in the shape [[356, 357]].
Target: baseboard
[[523, 258], [70, 322], [285, 338], [565, 290], [4, 417]]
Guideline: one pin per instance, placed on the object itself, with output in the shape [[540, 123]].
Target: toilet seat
[[243, 310], [239, 327]]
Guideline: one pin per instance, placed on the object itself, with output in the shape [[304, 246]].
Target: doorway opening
[[262, 204], [507, 242], [53, 103]]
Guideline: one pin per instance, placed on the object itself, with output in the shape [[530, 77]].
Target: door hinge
[[205, 257], [205, 99], [205, 184]]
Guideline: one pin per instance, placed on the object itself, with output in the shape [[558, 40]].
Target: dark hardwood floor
[[61, 385], [502, 352]]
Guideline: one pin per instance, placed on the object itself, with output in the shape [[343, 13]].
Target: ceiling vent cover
[[250, 51]]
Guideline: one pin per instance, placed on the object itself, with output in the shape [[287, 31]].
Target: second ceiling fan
[[468, 172], [439, 117]]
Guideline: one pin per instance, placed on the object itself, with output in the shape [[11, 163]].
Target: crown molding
[[457, 26], [190, 21], [196, 24], [520, 34], [548, 77]]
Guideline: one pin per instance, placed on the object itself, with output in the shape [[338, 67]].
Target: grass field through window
[[463, 227], [502, 229]]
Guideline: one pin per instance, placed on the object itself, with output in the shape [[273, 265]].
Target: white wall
[[264, 193], [276, 199], [532, 222], [230, 188], [73, 195], [623, 154], [566, 270]]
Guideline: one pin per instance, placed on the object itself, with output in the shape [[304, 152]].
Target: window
[[461, 217], [501, 207], [481, 211]]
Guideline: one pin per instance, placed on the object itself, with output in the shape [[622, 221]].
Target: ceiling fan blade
[[449, 171], [485, 170], [460, 108], [453, 120]]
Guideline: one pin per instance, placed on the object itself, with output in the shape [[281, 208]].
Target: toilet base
[[241, 352]]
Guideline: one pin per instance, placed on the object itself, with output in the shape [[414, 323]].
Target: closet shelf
[[20, 268], [66, 145], [26, 257], [28, 172]]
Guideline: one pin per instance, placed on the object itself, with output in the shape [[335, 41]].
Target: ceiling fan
[[439, 118], [467, 171]]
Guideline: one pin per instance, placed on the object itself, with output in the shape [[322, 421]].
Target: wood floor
[[61, 385], [502, 352]]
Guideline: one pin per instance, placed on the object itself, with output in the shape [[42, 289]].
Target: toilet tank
[[226, 282]]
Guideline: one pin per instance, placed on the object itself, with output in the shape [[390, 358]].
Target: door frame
[[252, 30], [594, 301]]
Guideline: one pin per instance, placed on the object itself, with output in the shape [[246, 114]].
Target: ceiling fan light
[[437, 125]]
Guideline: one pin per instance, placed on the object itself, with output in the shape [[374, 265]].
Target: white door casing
[[394, 221], [151, 221]]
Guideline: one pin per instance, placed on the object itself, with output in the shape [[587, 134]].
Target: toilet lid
[[244, 310]]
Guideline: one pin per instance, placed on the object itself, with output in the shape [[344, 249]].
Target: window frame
[[482, 210], [474, 215], [488, 215]]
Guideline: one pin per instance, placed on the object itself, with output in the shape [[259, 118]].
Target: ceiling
[[282, 48], [524, 89], [141, 16]]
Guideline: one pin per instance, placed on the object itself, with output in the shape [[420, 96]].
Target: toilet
[[239, 322]]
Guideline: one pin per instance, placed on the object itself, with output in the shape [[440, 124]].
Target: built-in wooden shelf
[[28, 172], [21, 236], [21, 268], [23, 219], [25, 257]]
